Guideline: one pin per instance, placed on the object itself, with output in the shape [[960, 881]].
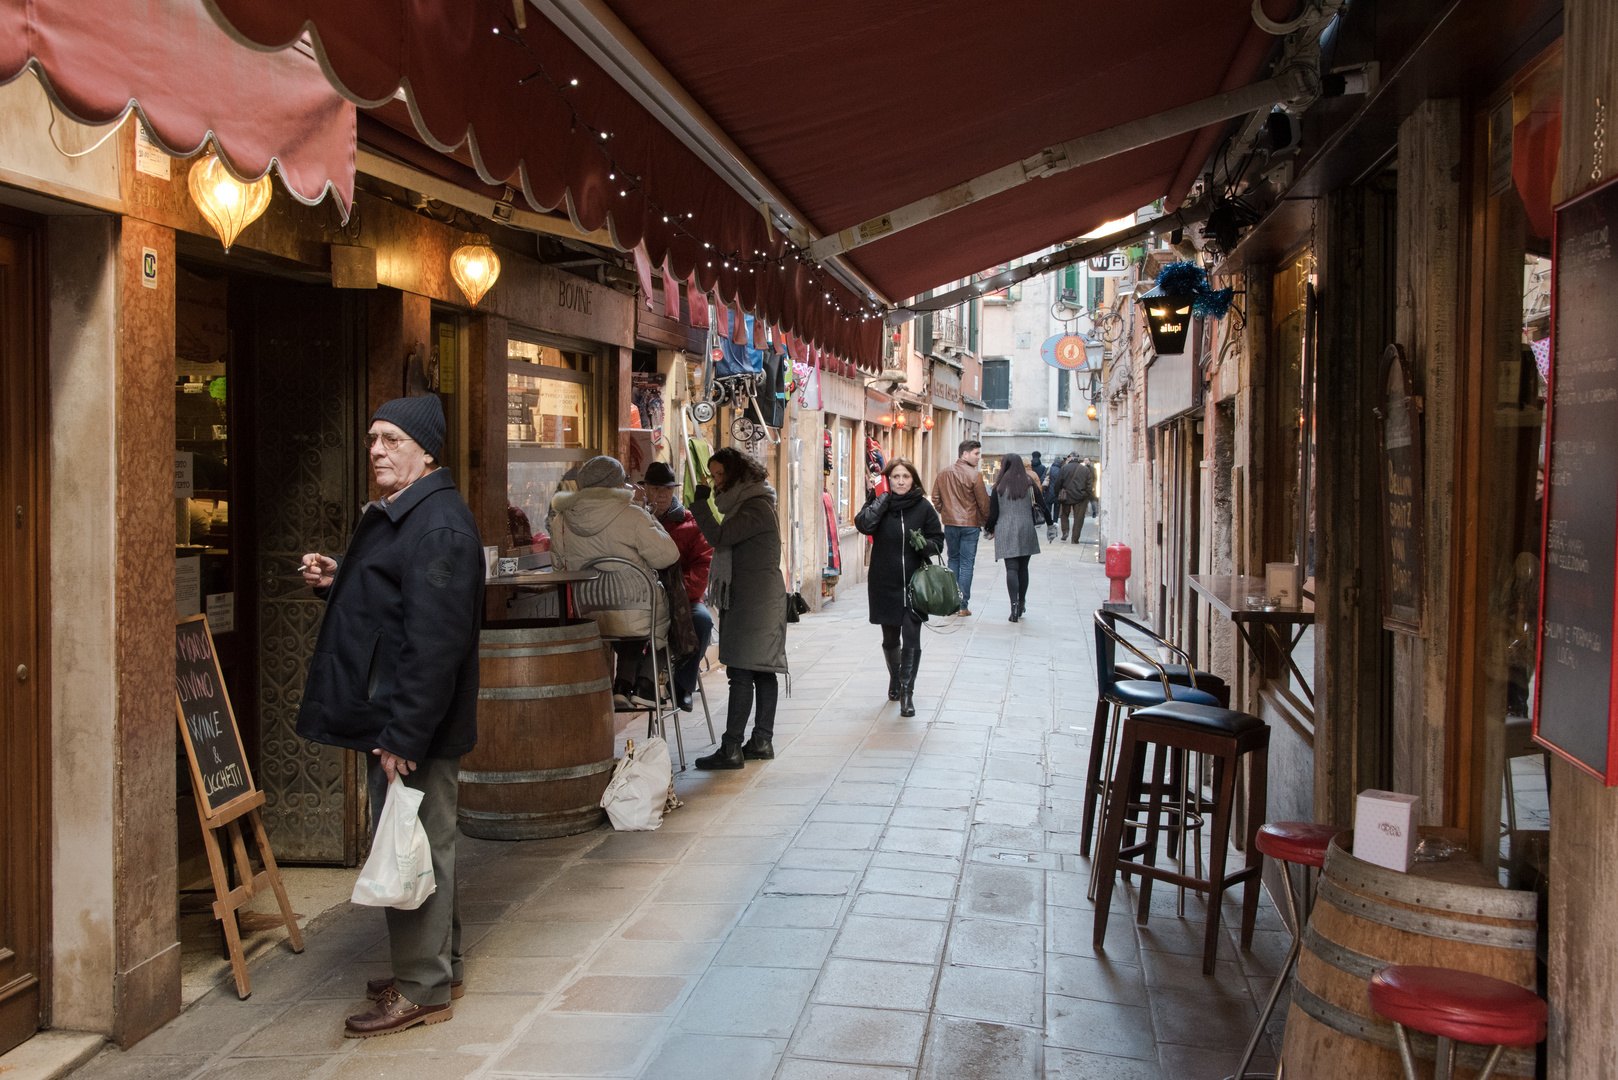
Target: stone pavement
[[890, 898]]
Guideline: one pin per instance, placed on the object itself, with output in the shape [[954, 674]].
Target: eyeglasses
[[390, 443]]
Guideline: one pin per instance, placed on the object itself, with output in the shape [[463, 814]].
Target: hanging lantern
[[228, 204], [899, 420], [926, 423], [886, 420], [475, 267], [1090, 412], [1168, 317]]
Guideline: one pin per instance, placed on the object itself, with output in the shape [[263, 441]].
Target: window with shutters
[[1067, 286], [1064, 393], [997, 384], [1098, 293]]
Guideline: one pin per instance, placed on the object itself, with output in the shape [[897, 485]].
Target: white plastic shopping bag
[[399, 872], [640, 788]]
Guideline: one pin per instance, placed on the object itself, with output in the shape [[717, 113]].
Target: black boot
[[892, 656], [909, 660], [1016, 610], [728, 756], [758, 748]]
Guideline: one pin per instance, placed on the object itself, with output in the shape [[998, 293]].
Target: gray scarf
[[728, 501]]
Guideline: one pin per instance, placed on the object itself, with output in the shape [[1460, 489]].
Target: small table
[[1228, 595], [537, 580]]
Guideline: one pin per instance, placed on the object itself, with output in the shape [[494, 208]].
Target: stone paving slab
[[890, 899]]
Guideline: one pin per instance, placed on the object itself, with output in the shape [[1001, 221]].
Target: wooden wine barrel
[[1367, 917], [545, 732]]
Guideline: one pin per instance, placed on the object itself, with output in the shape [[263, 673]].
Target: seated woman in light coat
[[599, 520]]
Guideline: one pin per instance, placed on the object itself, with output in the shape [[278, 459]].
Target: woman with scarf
[[905, 531], [1015, 511], [745, 589]]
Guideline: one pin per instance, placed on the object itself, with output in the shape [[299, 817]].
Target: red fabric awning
[[854, 109], [188, 79], [508, 97], [849, 108]]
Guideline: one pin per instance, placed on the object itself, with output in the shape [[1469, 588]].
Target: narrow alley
[[889, 898]]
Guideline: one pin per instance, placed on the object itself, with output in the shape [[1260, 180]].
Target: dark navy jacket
[[396, 663]]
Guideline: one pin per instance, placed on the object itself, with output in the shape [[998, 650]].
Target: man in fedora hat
[[662, 490], [395, 676]]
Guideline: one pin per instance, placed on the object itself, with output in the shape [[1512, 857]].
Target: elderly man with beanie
[[662, 490], [395, 676], [600, 520]]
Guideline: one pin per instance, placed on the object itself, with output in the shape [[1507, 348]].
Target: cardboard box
[[1385, 828], [1283, 581]]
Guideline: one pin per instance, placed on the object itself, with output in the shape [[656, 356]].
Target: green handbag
[[933, 590]]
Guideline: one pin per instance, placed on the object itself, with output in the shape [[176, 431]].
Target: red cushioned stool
[[1456, 1006], [1300, 843]]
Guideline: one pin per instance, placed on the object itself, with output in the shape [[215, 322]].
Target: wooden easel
[[243, 799]]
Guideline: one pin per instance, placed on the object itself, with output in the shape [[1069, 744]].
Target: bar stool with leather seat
[[1118, 691], [1226, 736], [1290, 843], [1456, 1006]]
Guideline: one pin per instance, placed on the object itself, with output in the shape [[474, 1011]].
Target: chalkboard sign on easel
[[223, 786], [213, 743], [1576, 701]]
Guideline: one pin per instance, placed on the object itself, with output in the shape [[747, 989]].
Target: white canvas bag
[[641, 787], [399, 871]]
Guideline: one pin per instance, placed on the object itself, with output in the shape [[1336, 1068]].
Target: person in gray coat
[[1015, 512], [745, 589]]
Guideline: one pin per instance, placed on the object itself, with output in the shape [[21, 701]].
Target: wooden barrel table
[[1367, 917], [545, 731]]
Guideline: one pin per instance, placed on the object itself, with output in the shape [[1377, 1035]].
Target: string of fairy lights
[[753, 262]]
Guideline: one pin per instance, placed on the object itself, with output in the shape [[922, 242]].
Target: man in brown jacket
[[962, 501]]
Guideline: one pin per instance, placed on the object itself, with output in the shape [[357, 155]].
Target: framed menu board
[[1403, 507], [1576, 699]]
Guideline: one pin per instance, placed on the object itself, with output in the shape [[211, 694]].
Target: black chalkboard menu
[[219, 773], [1403, 509], [1575, 695]]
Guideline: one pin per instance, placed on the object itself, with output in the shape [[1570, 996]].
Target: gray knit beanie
[[601, 472], [421, 418]]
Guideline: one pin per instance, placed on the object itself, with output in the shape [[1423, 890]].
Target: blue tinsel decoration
[[1213, 303], [1189, 279], [1182, 279]]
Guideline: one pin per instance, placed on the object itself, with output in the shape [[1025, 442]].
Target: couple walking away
[[966, 506]]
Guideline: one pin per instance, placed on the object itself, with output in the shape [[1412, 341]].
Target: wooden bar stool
[[1290, 843], [1118, 689], [1456, 1006], [1227, 737]]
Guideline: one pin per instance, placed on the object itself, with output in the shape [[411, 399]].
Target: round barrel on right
[[1367, 917], [545, 732]]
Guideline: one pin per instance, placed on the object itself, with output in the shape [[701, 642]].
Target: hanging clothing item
[[834, 554]]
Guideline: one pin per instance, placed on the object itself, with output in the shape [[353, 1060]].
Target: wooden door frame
[[35, 382]]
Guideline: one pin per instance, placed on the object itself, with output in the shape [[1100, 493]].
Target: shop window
[[1508, 771], [997, 384], [202, 495], [845, 472], [551, 426]]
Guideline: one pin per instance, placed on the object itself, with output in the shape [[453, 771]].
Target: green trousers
[[426, 942]]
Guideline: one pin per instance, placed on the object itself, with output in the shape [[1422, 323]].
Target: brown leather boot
[[393, 1012]]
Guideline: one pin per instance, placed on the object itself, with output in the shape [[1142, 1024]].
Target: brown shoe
[[375, 987], [393, 1013], [964, 611]]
